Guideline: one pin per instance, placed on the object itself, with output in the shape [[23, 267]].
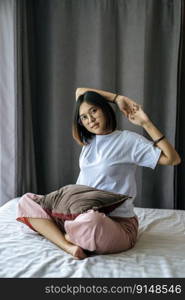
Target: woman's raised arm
[[124, 103], [169, 156], [107, 95]]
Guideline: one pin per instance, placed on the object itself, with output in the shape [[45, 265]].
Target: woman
[[108, 161]]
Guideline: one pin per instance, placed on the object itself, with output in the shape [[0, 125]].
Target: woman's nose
[[91, 118]]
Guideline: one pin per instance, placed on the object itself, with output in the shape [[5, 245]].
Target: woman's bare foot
[[76, 251]]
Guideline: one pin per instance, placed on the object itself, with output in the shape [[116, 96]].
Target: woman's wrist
[[117, 98], [147, 124], [153, 131]]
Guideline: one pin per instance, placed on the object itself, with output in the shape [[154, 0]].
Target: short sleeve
[[146, 154]]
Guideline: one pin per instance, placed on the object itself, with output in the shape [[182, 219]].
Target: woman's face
[[93, 118]]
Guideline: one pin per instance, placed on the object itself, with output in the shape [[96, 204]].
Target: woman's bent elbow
[[176, 161]]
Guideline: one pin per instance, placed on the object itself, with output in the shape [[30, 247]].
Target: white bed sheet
[[159, 252]]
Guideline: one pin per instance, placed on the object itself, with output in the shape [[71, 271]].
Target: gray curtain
[[26, 161], [8, 129], [179, 177], [128, 46]]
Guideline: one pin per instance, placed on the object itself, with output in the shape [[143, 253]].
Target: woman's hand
[[126, 105], [138, 116], [132, 110]]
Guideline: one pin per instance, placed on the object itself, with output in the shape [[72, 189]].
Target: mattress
[[159, 251]]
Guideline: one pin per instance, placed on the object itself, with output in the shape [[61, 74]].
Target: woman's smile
[[96, 125]]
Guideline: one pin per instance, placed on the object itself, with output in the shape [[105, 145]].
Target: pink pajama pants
[[92, 231]]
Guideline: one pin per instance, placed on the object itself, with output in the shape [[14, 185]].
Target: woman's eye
[[94, 110]]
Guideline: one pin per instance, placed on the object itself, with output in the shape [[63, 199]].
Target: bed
[[159, 251]]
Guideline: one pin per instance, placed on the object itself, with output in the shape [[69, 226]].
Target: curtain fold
[[179, 178], [25, 79], [127, 46], [7, 103]]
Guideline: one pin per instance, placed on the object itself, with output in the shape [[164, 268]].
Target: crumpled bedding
[[159, 251]]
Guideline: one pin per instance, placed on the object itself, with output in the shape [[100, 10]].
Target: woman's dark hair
[[80, 133]]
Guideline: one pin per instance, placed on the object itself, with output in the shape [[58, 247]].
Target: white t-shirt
[[109, 163]]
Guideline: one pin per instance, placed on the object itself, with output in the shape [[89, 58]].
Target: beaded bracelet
[[158, 140]]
